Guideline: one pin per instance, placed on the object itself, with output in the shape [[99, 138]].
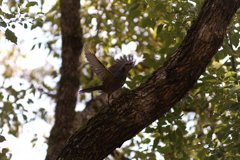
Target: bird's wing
[[119, 63], [98, 68]]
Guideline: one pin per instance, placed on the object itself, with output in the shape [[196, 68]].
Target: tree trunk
[[69, 83], [136, 109]]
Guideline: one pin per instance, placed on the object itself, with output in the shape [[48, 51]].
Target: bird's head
[[128, 66]]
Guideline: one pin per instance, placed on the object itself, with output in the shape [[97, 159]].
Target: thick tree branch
[[136, 109], [92, 108], [69, 82]]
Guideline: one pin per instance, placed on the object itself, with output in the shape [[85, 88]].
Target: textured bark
[[91, 109], [69, 82], [136, 109]]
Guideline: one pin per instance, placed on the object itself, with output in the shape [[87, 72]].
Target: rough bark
[[136, 109], [91, 109], [69, 82]]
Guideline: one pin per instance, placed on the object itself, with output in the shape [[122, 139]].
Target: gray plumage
[[113, 77]]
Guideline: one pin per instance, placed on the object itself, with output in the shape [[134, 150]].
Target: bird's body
[[113, 77]]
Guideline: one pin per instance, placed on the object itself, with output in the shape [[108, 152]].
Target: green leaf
[[39, 45], [219, 127], [230, 74], [219, 154], [40, 13], [234, 107], [8, 107], [93, 82], [147, 140], [235, 40], [209, 78], [179, 132], [226, 50], [131, 84], [209, 135], [4, 150], [155, 143], [173, 136], [202, 153], [159, 29], [24, 117], [9, 16], [3, 24], [178, 40], [34, 139], [30, 101], [11, 36], [226, 106], [25, 26], [2, 138], [204, 104], [222, 131], [33, 47], [149, 130], [38, 19], [147, 22], [133, 7], [33, 3], [46, 86], [165, 150]]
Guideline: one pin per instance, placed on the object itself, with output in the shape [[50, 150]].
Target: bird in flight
[[113, 77]]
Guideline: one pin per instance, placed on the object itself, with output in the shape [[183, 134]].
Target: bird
[[113, 77]]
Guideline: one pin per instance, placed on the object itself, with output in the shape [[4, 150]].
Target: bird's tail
[[90, 89]]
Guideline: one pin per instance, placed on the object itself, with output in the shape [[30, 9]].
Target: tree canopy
[[177, 41]]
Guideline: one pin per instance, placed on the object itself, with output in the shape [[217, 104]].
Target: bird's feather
[[99, 69], [90, 89], [119, 63]]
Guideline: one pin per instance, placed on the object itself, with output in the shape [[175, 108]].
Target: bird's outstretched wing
[[119, 63], [99, 69]]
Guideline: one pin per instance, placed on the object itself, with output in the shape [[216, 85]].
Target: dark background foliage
[[204, 124]]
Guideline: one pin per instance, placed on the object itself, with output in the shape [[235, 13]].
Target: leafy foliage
[[4, 151], [19, 86], [18, 14], [204, 124]]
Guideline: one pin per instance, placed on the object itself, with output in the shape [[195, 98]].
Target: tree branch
[[136, 109], [69, 82]]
